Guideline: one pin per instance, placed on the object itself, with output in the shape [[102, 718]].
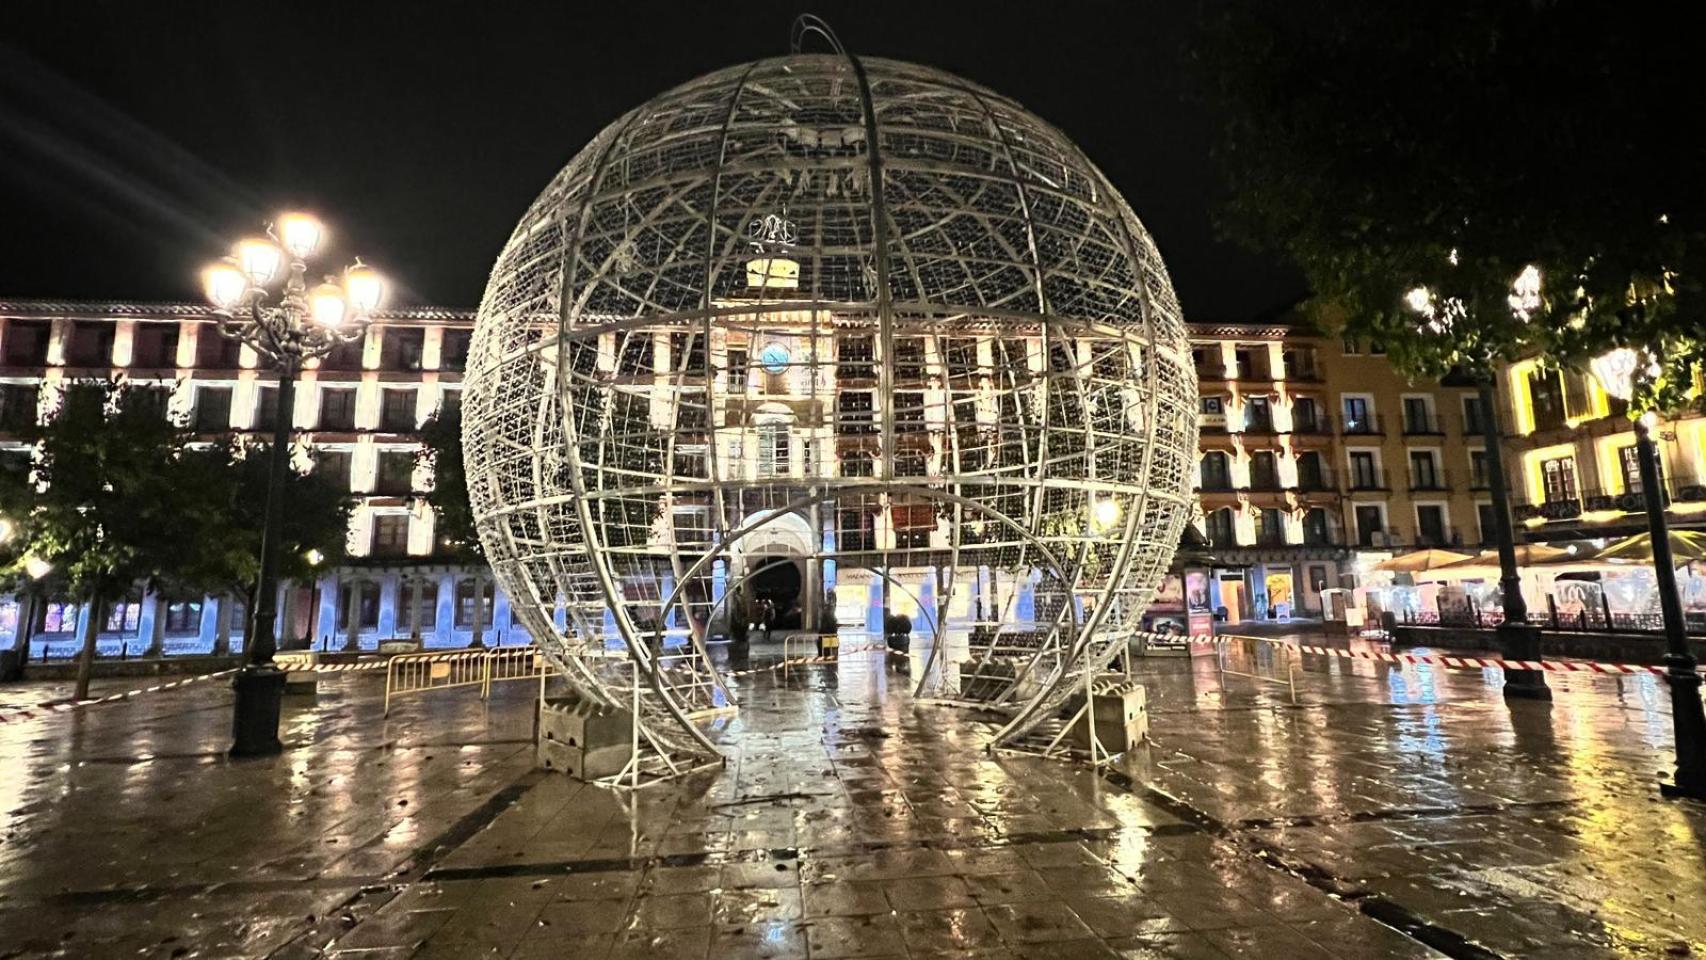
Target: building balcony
[[1319, 425], [1317, 481], [1449, 537], [1423, 425], [1216, 485], [1370, 425], [1360, 480], [1436, 480]]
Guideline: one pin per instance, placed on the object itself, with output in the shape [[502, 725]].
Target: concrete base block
[[583, 740], [1120, 713]]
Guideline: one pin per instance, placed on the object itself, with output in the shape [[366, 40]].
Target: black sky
[[137, 139]]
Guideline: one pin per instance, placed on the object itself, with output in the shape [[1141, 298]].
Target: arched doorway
[[781, 581], [773, 563]]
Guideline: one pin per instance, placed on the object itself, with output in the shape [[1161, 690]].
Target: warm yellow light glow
[[259, 260], [366, 288], [1649, 419], [224, 284], [314, 558], [1421, 301], [327, 306], [773, 272], [300, 233], [36, 567], [1105, 513]]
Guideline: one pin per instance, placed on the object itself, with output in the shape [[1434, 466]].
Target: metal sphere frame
[[861, 313]]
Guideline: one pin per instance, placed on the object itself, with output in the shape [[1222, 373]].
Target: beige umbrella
[[1685, 545], [1527, 555], [1420, 561]]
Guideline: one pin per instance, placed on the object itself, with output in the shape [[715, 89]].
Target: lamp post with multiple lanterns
[[262, 297], [1616, 372]]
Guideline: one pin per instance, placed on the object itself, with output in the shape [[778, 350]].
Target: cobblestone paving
[[851, 823]]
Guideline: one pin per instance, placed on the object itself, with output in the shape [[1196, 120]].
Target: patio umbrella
[[1527, 555], [1420, 561], [1685, 545]]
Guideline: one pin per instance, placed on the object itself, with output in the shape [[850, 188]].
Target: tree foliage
[[104, 503], [232, 478], [441, 452], [1388, 147]]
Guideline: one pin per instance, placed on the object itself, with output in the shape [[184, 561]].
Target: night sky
[[138, 139]]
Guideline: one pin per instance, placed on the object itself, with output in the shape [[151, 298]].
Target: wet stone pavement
[[1389, 809]]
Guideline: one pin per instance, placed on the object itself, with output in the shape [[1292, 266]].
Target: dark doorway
[[777, 579]]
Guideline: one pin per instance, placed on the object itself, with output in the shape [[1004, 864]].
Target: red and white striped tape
[[48, 709], [1455, 663]]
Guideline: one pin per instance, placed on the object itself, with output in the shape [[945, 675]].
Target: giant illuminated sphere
[[808, 318]]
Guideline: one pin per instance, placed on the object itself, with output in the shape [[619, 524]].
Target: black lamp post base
[[259, 692], [1689, 719], [1521, 641]]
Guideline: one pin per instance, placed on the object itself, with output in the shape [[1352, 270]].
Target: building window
[[853, 413], [1305, 415], [1212, 413], [1474, 416], [1371, 525], [908, 412], [738, 369], [428, 600], [334, 467], [124, 616], [345, 356], [396, 473], [472, 594], [26, 342], [1220, 529], [57, 617], [337, 409], [1264, 471], [401, 348], [1359, 415], [19, 406], [1546, 399], [1271, 532], [635, 360], [183, 616], [360, 598], [1258, 415], [858, 463], [266, 408], [215, 351], [687, 354], [390, 534], [1311, 474], [154, 346], [1489, 520], [1216, 471], [1365, 470], [855, 530], [909, 360], [856, 359], [1315, 531], [1430, 526], [775, 445], [453, 353], [1424, 471], [959, 355], [1418, 415], [91, 344], [397, 411], [1558, 479], [913, 526], [212, 410], [1629, 463], [450, 404], [1351, 347]]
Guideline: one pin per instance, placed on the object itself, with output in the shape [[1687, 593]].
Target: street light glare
[[224, 284], [259, 260], [1106, 513], [36, 567], [1616, 372], [366, 288], [327, 306], [301, 234]]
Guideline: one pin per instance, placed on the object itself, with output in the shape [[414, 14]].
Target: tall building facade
[[357, 416], [1316, 461]]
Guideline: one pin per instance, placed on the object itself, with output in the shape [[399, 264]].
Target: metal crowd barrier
[[1223, 644], [408, 673]]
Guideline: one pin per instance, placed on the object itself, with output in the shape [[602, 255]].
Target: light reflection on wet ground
[[850, 822]]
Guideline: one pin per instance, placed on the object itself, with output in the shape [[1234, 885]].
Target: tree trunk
[[86, 661]]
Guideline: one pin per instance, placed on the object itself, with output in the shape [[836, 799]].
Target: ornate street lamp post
[[1616, 372], [285, 327]]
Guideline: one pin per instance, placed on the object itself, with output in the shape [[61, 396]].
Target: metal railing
[[1260, 653], [408, 673]]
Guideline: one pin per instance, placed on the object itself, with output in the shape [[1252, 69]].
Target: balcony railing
[[1363, 426], [1421, 424], [1368, 480], [1318, 425], [1430, 480], [1264, 484], [1216, 485], [1317, 481], [1448, 537]]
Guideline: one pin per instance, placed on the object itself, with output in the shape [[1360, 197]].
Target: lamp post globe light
[[1617, 372], [262, 297], [821, 329]]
